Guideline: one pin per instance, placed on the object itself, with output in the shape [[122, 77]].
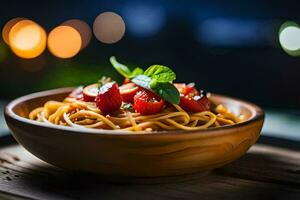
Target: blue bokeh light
[[232, 32], [144, 20]]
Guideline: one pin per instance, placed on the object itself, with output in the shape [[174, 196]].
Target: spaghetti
[[81, 114]]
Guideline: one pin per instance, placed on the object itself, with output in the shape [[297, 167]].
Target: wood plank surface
[[265, 172]]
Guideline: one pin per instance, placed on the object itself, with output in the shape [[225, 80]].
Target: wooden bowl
[[117, 153]]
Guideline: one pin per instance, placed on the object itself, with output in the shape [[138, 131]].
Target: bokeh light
[[27, 39], [7, 27], [289, 38], [64, 42], [83, 28], [144, 19], [231, 32], [109, 27]]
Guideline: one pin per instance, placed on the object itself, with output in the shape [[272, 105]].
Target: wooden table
[[265, 172]]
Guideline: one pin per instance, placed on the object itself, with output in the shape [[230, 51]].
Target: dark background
[[224, 47]]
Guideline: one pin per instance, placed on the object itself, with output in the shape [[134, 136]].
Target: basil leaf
[[143, 81], [122, 69], [160, 73], [168, 92], [153, 83], [136, 71]]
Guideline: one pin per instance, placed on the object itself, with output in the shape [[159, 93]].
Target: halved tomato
[[90, 92], [77, 93], [128, 91], [147, 103], [194, 104], [187, 89], [191, 100]]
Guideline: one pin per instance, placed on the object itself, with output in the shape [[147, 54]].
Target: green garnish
[[127, 106], [143, 81], [122, 69], [157, 78], [160, 73], [136, 71], [168, 92]]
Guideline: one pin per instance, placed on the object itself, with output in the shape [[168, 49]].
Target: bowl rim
[[257, 114]]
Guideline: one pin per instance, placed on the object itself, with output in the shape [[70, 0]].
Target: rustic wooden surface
[[265, 172]]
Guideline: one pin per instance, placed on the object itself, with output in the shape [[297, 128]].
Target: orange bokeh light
[[64, 42], [27, 39], [7, 27]]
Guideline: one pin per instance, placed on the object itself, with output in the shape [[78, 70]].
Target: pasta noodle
[[81, 114]]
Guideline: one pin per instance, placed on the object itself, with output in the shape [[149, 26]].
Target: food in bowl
[[147, 101]]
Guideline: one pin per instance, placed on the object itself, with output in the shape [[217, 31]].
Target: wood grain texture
[[127, 155], [263, 173]]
